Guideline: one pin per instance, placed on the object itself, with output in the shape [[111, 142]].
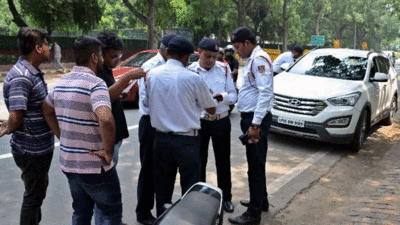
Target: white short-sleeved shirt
[[257, 92], [286, 57], [219, 80], [152, 63], [176, 97]]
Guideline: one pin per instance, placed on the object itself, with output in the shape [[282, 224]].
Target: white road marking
[[274, 186], [281, 181], [9, 155]]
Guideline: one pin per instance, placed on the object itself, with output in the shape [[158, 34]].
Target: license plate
[[291, 122]]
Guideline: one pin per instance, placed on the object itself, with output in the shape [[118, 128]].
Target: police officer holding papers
[[254, 104], [176, 98], [218, 78]]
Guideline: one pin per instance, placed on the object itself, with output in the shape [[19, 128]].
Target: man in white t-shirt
[[287, 57]]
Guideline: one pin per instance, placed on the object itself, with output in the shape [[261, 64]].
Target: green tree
[[148, 6], [63, 14], [116, 16]]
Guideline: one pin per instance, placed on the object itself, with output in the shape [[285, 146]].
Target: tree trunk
[[220, 23], [285, 26], [318, 20], [17, 18], [152, 40], [241, 13], [355, 36], [340, 32], [148, 20]]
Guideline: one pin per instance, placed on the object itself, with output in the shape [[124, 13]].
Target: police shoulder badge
[[261, 69]]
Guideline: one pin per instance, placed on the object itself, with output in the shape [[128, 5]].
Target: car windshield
[[139, 59], [339, 66]]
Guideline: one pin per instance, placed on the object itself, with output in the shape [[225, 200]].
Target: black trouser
[[145, 188], [35, 175], [172, 152], [256, 158], [220, 133]]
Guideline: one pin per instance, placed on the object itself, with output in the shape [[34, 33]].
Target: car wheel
[[393, 108], [360, 133]]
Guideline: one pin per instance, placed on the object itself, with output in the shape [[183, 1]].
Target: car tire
[[393, 108], [360, 133]]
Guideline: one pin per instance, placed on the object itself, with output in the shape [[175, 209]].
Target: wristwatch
[[255, 126]]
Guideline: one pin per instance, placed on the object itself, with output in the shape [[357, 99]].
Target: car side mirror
[[380, 77], [285, 66]]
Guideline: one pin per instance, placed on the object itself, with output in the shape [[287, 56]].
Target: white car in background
[[335, 95]]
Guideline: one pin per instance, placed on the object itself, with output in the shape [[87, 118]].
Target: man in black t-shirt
[[234, 65], [112, 55], [232, 61]]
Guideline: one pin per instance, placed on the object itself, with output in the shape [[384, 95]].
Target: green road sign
[[317, 40]]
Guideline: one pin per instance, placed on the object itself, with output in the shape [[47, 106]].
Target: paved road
[[293, 165]]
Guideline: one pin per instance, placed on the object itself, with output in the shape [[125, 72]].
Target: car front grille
[[298, 105]]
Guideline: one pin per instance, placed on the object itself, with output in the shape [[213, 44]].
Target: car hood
[[117, 72], [310, 87]]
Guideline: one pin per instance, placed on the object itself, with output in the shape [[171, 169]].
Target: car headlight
[[345, 100], [339, 122]]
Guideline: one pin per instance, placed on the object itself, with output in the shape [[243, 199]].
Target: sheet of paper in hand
[[126, 90]]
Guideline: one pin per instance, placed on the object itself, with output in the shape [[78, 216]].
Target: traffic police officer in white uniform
[[287, 57], [176, 97], [254, 103], [218, 78], [145, 188]]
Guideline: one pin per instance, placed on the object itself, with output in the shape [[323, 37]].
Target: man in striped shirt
[[32, 142], [78, 111]]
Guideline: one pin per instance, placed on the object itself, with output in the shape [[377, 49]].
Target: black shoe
[[245, 218], [265, 205], [147, 221], [228, 206]]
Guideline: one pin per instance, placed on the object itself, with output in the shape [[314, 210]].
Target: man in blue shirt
[[32, 141]]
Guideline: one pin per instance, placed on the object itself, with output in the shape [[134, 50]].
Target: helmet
[[221, 50], [229, 48]]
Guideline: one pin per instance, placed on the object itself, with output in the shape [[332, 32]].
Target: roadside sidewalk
[[380, 195], [380, 199], [47, 68]]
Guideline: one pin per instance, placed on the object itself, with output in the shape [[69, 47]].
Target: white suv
[[335, 95]]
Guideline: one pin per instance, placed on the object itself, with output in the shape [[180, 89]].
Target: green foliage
[[376, 22], [7, 27], [116, 16], [63, 14], [7, 59]]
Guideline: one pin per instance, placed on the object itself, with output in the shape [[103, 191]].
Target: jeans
[[97, 212], [117, 146], [256, 155], [102, 190], [35, 175]]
